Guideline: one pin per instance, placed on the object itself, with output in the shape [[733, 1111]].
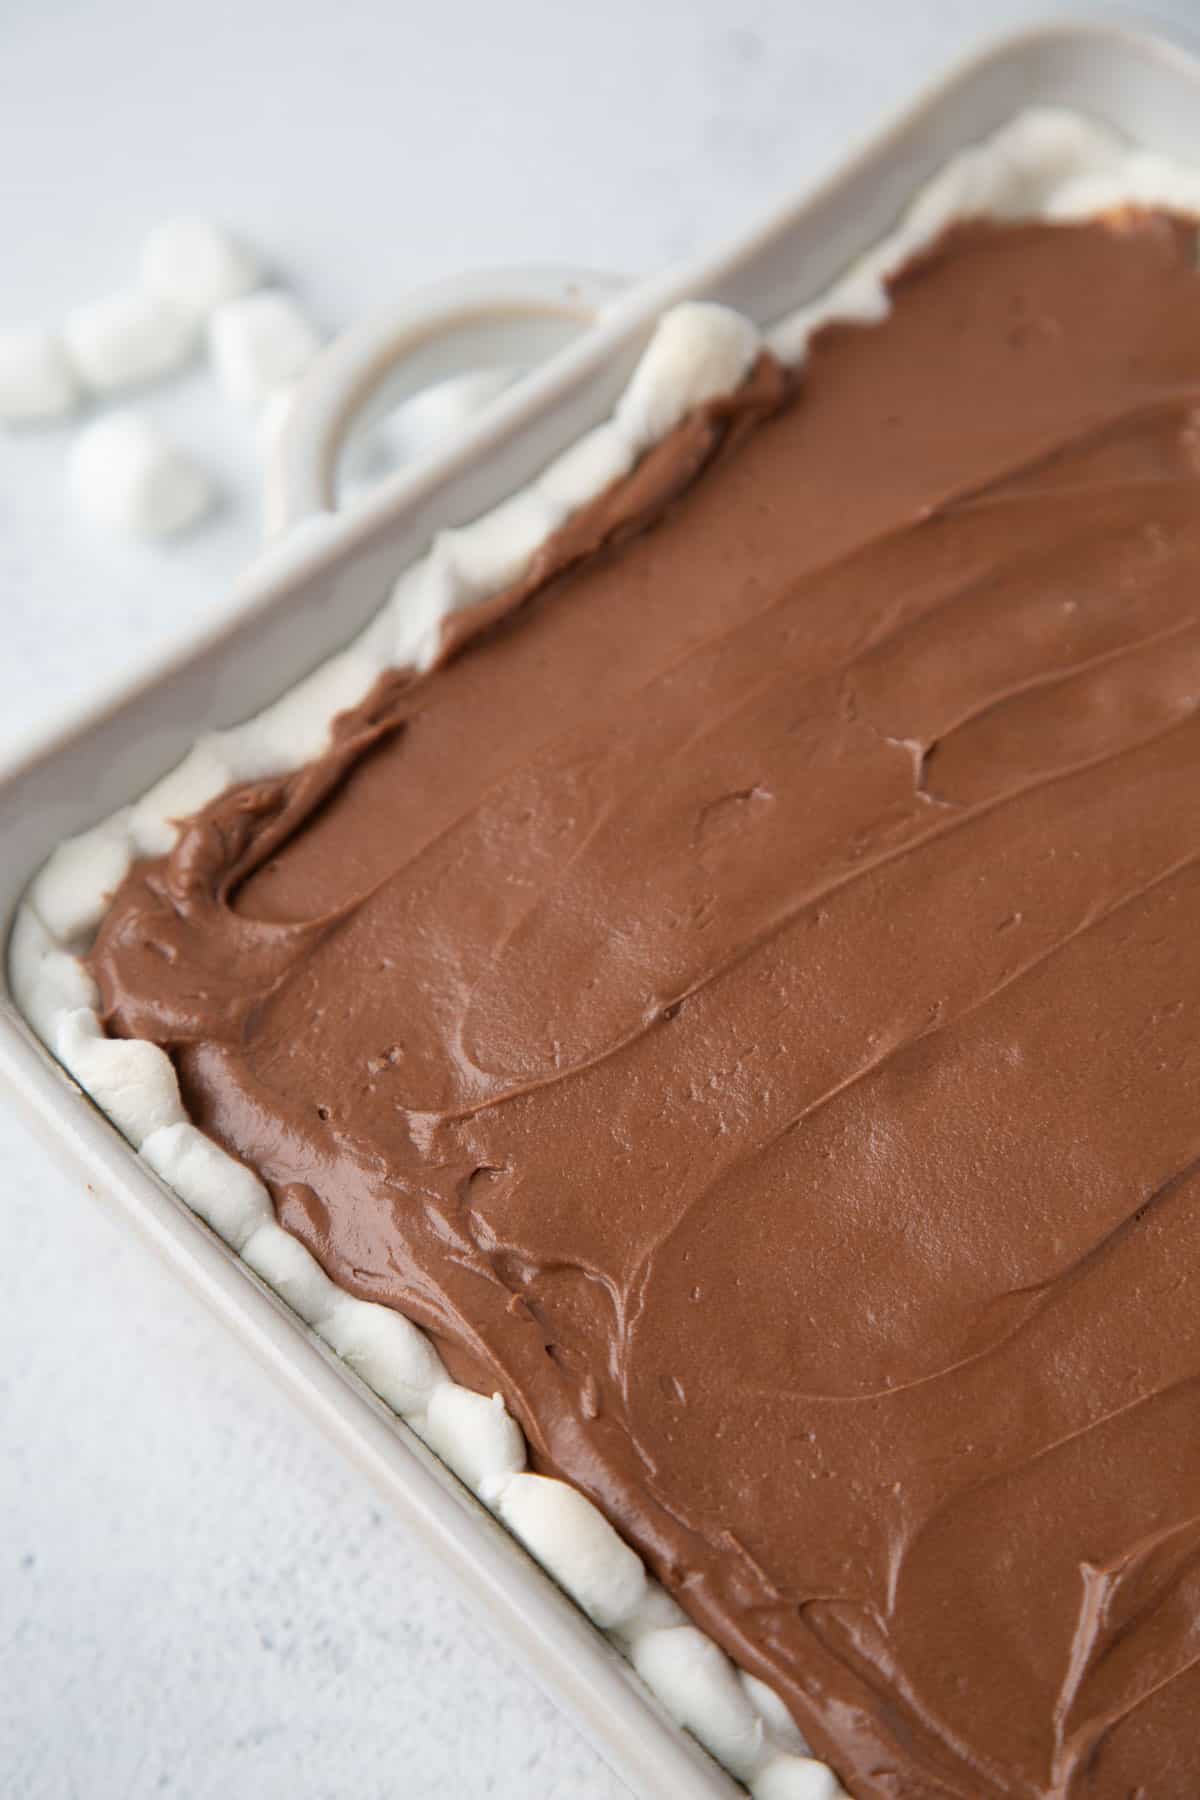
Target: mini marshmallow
[[1015, 174], [128, 337], [1143, 180], [71, 890], [297, 727], [129, 1079], [396, 1361], [36, 379], [1047, 145], [128, 476], [193, 264], [47, 980], [576, 1544], [223, 1191], [781, 1727], [587, 468], [496, 549], [796, 1778], [288, 1268], [467, 563], [258, 343], [475, 1437], [422, 598], [377, 639], [200, 777], [698, 352], [699, 1687], [250, 755], [655, 1611]]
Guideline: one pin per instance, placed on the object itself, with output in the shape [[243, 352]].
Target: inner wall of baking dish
[[305, 601]]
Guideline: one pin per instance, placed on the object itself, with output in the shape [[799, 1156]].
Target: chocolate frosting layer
[[745, 1003]]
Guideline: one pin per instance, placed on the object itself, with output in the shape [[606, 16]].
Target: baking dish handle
[[502, 320]]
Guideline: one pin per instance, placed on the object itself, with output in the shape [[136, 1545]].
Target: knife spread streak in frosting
[[745, 1003]]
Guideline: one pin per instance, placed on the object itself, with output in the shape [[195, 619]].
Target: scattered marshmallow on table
[[128, 337], [126, 475], [191, 263], [36, 379], [258, 343]]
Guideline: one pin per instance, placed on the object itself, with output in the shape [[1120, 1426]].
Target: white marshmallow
[[72, 888], [422, 598], [129, 1079], [251, 755], [47, 980], [655, 1611], [200, 777], [781, 1726], [475, 1437], [396, 1361], [796, 1778], [36, 379], [699, 1687], [286, 1266], [576, 1544], [467, 563], [195, 265], [698, 351], [588, 467], [297, 727], [225, 1193], [127, 476], [497, 548], [258, 343], [128, 337]]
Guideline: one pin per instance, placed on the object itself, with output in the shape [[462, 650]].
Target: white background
[[196, 1597]]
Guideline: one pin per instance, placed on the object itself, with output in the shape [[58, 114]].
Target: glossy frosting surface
[[745, 1003]]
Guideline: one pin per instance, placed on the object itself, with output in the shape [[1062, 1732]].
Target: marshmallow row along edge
[[697, 353], [1044, 164]]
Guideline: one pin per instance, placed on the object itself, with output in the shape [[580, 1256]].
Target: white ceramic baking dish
[[326, 573]]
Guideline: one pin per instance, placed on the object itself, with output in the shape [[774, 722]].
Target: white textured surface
[[210, 1604], [36, 379]]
